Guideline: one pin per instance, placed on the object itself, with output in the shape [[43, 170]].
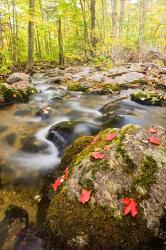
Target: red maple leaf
[[131, 206], [110, 137], [152, 130], [66, 173], [85, 196], [154, 140], [97, 155], [107, 147], [57, 184]]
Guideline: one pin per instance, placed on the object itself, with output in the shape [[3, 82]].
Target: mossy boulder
[[15, 93], [95, 88], [78, 87], [132, 167], [149, 98]]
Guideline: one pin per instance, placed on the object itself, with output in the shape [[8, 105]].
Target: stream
[[25, 152]]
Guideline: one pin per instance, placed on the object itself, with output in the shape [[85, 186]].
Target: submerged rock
[[149, 98], [64, 133], [132, 167]]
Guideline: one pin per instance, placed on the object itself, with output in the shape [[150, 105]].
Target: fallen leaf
[[85, 196], [107, 147], [97, 155], [14, 95], [66, 173], [57, 184], [110, 137], [131, 206], [152, 130], [154, 140]]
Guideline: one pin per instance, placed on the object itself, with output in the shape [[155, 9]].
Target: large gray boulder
[[132, 167], [16, 77], [129, 77]]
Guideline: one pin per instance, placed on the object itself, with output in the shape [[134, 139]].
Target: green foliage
[[76, 31]]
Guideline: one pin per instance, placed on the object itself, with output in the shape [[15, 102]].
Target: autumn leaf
[[152, 130], [107, 147], [57, 184], [131, 206], [85, 196], [154, 140], [14, 95], [110, 137], [97, 155], [66, 173]]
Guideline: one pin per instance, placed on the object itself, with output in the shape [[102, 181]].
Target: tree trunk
[[1, 37], [114, 28], [121, 21], [93, 24], [31, 33], [142, 22], [60, 43], [86, 39]]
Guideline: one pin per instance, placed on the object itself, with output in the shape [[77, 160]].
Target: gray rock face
[[16, 77], [129, 77]]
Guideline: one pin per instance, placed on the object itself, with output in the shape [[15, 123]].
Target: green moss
[[128, 165], [149, 98], [78, 87], [140, 81], [72, 151], [111, 87], [147, 175], [10, 94], [103, 230]]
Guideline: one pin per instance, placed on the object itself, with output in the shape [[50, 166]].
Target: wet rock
[[10, 139], [132, 168], [44, 113], [23, 112], [11, 225], [130, 78], [65, 133], [3, 128], [31, 144], [57, 79], [16, 77], [149, 98]]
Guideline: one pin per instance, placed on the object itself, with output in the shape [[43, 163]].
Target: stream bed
[[26, 154]]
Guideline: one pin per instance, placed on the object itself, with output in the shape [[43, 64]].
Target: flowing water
[[25, 151]]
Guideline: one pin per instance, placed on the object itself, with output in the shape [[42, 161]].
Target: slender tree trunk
[[103, 17], [142, 22], [93, 24], [114, 28], [1, 36], [31, 34], [121, 21], [60, 43], [86, 39]]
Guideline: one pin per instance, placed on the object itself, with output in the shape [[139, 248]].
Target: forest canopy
[[78, 30]]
